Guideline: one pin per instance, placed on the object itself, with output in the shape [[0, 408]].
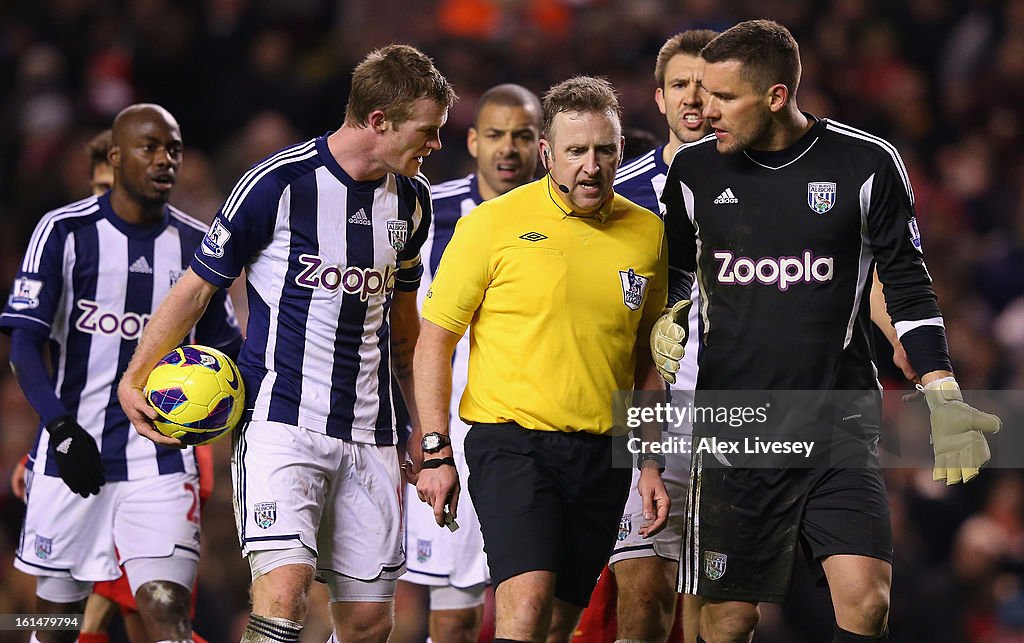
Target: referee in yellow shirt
[[561, 281]]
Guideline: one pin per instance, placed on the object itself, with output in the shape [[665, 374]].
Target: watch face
[[431, 442]]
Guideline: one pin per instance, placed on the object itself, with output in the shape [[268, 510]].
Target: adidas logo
[[141, 265], [359, 217], [726, 197]]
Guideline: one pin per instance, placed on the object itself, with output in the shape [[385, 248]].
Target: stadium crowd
[[941, 79]]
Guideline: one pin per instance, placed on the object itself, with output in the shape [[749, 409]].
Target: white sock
[[271, 629]]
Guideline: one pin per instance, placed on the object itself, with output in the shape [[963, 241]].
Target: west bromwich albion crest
[[714, 564], [44, 547], [423, 550], [398, 233], [265, 514], [821, 196], [625, 526], [633, 288]]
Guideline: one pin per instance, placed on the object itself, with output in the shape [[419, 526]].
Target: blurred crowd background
[[941, 79]]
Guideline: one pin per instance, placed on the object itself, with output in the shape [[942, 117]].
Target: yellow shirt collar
[[601, 214]]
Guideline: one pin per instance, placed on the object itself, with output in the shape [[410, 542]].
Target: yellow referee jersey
[[557, 303]]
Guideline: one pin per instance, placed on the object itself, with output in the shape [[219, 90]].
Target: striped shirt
[[91, 281], [642, 180], [323, 254]]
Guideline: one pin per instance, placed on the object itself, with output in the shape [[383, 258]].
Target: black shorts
[[547, 501], [744, 524]]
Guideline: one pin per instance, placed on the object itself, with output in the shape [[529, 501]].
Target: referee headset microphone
[[547, 161]]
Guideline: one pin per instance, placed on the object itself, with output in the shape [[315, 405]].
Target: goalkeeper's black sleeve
[[682, 241]]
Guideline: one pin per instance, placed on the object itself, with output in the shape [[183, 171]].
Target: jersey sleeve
[[463, 275], [897, 249], [27, 362], [243, 226], [410, 263], [681, 237], [39, 284]]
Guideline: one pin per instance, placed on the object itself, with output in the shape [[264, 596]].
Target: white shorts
[[68, 536], [339, 499], [438, 557], [668, 542]]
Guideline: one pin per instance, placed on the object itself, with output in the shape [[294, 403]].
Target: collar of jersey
[[474, 189], [334, 168], [777, 159], [563, 209], [659, 159], [134, 230]]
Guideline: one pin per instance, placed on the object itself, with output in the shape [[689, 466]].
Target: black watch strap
[[434, 463], [653, 457]]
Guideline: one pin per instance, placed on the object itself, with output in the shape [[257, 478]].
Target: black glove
[[78, 459]]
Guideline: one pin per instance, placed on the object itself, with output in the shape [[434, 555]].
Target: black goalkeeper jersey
[[783, 245]]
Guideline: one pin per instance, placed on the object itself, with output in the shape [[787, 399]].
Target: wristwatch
[[434, 442], [654, 457]]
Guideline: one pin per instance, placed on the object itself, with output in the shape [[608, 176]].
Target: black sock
[[842, 636], [700, 640]]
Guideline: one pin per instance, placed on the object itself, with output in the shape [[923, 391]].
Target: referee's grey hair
[[580, 94], [391, 79]]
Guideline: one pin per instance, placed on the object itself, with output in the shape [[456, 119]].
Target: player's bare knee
[[729, 622], [530, 616], [281, 580], [366, 632], [283, 592], [646, 601], [457, 625], [161, 589], [378, 631], [865, 613], [163, 596], [164, 607], [644, 617], [365, 623]]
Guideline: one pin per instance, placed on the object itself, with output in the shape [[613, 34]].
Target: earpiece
[[547, 160]]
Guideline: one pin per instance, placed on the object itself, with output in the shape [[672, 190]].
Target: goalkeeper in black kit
[[782, 218]]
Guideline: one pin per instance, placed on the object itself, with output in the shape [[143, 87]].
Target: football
[[197, 393]]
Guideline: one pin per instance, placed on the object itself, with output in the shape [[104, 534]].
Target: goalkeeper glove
[[668, 339], [958, 432], [78, 459]]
